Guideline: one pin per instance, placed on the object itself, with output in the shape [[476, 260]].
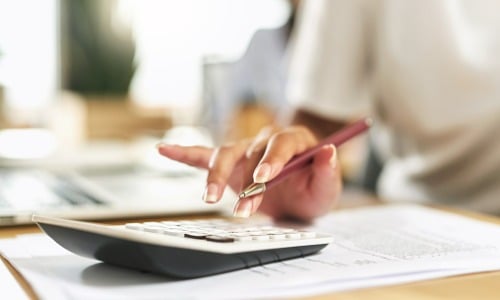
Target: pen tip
[[242, 195]]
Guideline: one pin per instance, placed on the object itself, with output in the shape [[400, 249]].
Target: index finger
[[281, 148], [196, 156]]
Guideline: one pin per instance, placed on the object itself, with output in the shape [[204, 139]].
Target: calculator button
[[239, 234], [293, 236], [195, 235], [274, 231], [134, 226], [248, 228], [260, 237], [235, 230], [195, 230], [219, 239], [189, 226], [153, 229], [244, 238], [277, 236], [215, 232], [307, 234], [170, 232]]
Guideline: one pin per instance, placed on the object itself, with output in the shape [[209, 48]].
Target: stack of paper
[[373, 246]]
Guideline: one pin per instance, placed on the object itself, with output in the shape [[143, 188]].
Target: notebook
[[25, 191]]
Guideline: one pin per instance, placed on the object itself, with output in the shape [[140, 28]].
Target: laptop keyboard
[[35, 189]]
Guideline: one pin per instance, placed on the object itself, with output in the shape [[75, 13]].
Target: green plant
[[100, 57]]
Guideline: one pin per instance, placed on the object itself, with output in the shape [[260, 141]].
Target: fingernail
[[160, 144], [211, 193], [262, 173], [333, 158], [243, 209]]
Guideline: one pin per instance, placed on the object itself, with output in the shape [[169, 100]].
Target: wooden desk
[[474, 286]]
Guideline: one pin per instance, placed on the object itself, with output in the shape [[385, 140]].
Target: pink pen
[[304, 159]]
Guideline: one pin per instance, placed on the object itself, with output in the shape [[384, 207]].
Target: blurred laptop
[[71, 195], [101, 189]]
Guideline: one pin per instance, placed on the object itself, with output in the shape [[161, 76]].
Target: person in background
[[427, 71], [252, 86]]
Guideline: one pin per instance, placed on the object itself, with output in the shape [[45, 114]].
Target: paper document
[[372, 247], [9, 285]]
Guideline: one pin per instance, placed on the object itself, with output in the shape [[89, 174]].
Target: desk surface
[[473, 286]]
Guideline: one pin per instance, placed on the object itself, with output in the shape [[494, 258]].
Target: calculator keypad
[[221, 231]]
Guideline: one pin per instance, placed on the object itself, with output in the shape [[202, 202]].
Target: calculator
[[184, 248]]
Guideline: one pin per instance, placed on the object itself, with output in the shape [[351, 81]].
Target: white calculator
[[185, 248]]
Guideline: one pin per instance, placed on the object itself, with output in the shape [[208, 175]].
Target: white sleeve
[[329, 72]]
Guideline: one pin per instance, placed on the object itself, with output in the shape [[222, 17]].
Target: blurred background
[[99, 82]]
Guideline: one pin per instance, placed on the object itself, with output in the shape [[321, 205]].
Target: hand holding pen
[[306, 170], [304, 159]]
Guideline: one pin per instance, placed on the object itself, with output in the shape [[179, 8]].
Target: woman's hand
[[305, 194]]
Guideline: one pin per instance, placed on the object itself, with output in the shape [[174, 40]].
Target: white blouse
[[428, 71]]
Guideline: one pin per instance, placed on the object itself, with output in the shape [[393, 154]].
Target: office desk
[[474, 286]]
